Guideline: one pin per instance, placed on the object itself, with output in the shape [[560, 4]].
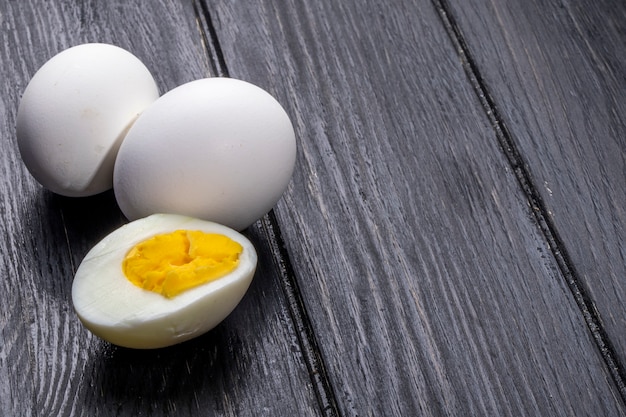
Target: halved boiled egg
[[161, 280]]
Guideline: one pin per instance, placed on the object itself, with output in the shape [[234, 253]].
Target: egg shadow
[[55, 232], [86, 220], [193, 375], [77, 221]]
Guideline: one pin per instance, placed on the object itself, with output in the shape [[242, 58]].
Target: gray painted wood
[[430, 286], [557, 72], [403, 273], [250, 365]]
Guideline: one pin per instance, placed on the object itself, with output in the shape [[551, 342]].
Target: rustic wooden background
[[452, 242]]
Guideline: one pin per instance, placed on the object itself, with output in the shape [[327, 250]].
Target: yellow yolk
[[171, 263]]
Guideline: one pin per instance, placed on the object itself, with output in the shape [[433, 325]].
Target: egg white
[[116, 310]]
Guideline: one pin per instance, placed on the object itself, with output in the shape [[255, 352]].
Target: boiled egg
[[162, 280], [218, 149], [75, 112]]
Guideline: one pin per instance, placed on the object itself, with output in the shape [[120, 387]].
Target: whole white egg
[[119, 311], [219, 149], [75, 112]]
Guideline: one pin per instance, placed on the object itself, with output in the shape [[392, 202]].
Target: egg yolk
[[171, 263]]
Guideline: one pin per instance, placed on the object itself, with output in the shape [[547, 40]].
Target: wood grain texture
[[250, 365], [420, 283], [557, 72], [429, 285]]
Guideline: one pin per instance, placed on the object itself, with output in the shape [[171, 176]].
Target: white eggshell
[[116, 310], [219, 149], [75, 112]]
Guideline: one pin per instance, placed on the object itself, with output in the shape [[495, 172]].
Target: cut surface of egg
[[162, 280], [219, 149], [75, 112]]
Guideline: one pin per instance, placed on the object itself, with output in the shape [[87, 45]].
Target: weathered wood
[[430, 287], [557, 71], [420, 281], [49, 364]]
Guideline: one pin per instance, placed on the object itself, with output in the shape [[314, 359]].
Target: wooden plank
[[49, 364], [557, 74], [430, 288]]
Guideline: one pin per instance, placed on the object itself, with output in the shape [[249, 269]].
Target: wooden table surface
[[453, 241]]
